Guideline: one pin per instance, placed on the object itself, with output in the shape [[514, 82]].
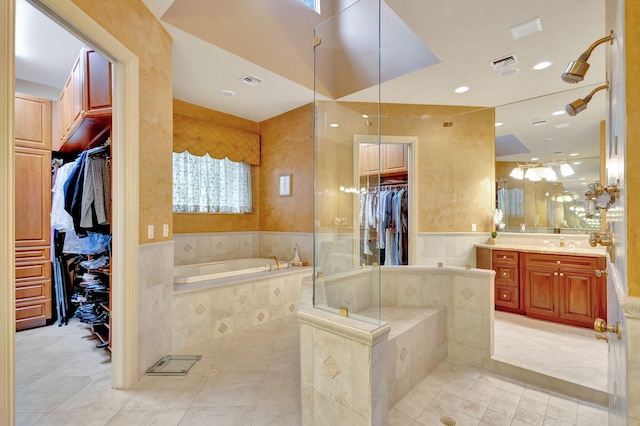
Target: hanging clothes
[[87, 192]]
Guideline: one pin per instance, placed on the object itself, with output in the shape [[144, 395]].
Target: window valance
[[200, 137]]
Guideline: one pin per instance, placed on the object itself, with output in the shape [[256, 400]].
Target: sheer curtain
[[208, 185]]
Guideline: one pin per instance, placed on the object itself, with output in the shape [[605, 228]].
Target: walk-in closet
[[384, 203], [63, 202]]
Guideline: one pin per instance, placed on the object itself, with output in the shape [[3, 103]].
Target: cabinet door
[[577, 296], [395, 158], [98, 82], [541, 294], [369, 159], [33, 122], [33, 196]]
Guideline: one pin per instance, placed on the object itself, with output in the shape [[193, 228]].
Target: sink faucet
[[277, 262], [561, 241]]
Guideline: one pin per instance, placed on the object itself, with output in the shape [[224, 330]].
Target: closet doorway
[[384, 168], [124, 192]]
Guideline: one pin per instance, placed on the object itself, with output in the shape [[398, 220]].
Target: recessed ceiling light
[[562, 125], [574, 154], [498, 124], [577, 162], [547, 140], [509, 71], [541, 65], [227, 93], [559, 112], [334, 125], [365, 116], [535, 159], [583, 178], [461, 89]]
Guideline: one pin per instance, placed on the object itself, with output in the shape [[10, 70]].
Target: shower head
[[577, 69], [580, 105]]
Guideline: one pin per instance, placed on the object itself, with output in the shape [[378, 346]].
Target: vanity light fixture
[[580, 105], [577, 69], [538, 171], [566, 170]]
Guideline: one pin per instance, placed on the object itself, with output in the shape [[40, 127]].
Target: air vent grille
[[503, 62], [251, 80]]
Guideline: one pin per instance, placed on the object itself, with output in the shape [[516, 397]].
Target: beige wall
[[632, 46], [287, 148], [134, 26], [456, 164], [206, 222]]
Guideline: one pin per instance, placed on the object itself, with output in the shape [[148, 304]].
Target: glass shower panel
[[346, 61]]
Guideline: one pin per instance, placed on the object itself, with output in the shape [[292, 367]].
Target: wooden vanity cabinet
[[564, 288], [507, 283], [83, 114]]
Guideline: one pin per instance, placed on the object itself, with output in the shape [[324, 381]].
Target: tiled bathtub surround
[[465, 294], [204, 314], [217, 246]]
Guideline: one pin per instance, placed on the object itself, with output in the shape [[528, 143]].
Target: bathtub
[[189, 274]]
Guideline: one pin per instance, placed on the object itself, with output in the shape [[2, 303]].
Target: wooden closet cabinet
[[83, 114], [564, 288], [32, 208], [390, 159]]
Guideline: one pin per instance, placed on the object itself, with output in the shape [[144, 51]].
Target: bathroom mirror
[[536, 135]]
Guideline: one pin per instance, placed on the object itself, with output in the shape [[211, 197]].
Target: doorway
[[386, 166], [125, 212]]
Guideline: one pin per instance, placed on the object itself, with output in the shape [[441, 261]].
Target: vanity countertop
[[568, 250]]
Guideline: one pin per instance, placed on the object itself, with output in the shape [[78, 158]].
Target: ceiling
[[217, 43]]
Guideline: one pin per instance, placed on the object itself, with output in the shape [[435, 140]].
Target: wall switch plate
[[150, 232], [473, 227], [165, 230]]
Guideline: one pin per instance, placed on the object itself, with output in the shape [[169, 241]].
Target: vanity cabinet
[[390, 159], [83, 114], [507, 283], [564, 288]]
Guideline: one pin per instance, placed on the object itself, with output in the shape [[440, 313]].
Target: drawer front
[[33, 271], [562, 261], [32, 254], [504, 257], [507, 275], [507, 296], [32, 315], [31, 290]]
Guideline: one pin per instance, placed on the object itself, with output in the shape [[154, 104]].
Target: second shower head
[[577, 69]]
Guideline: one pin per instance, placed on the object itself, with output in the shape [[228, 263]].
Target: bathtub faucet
[[277, 262]]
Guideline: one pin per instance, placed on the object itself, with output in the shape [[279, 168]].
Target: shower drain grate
[[173, 365], [448, 421]]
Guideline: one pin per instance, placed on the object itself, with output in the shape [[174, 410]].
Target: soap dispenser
[[296, 257]]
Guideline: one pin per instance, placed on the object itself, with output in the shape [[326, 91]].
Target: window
[[207, 185], [312, 4]]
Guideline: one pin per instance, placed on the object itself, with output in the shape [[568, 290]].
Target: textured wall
[[135, 27], [287, 147], [205, 222]]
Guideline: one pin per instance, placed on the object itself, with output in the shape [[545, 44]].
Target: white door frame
[[124, 262]]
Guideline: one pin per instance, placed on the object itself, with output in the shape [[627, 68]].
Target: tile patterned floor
[[251, 378]]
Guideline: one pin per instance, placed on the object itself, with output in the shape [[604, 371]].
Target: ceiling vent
[[539, 122], [503, 62], [251, 80]]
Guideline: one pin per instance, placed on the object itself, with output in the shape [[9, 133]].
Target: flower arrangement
[[496, 222]]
